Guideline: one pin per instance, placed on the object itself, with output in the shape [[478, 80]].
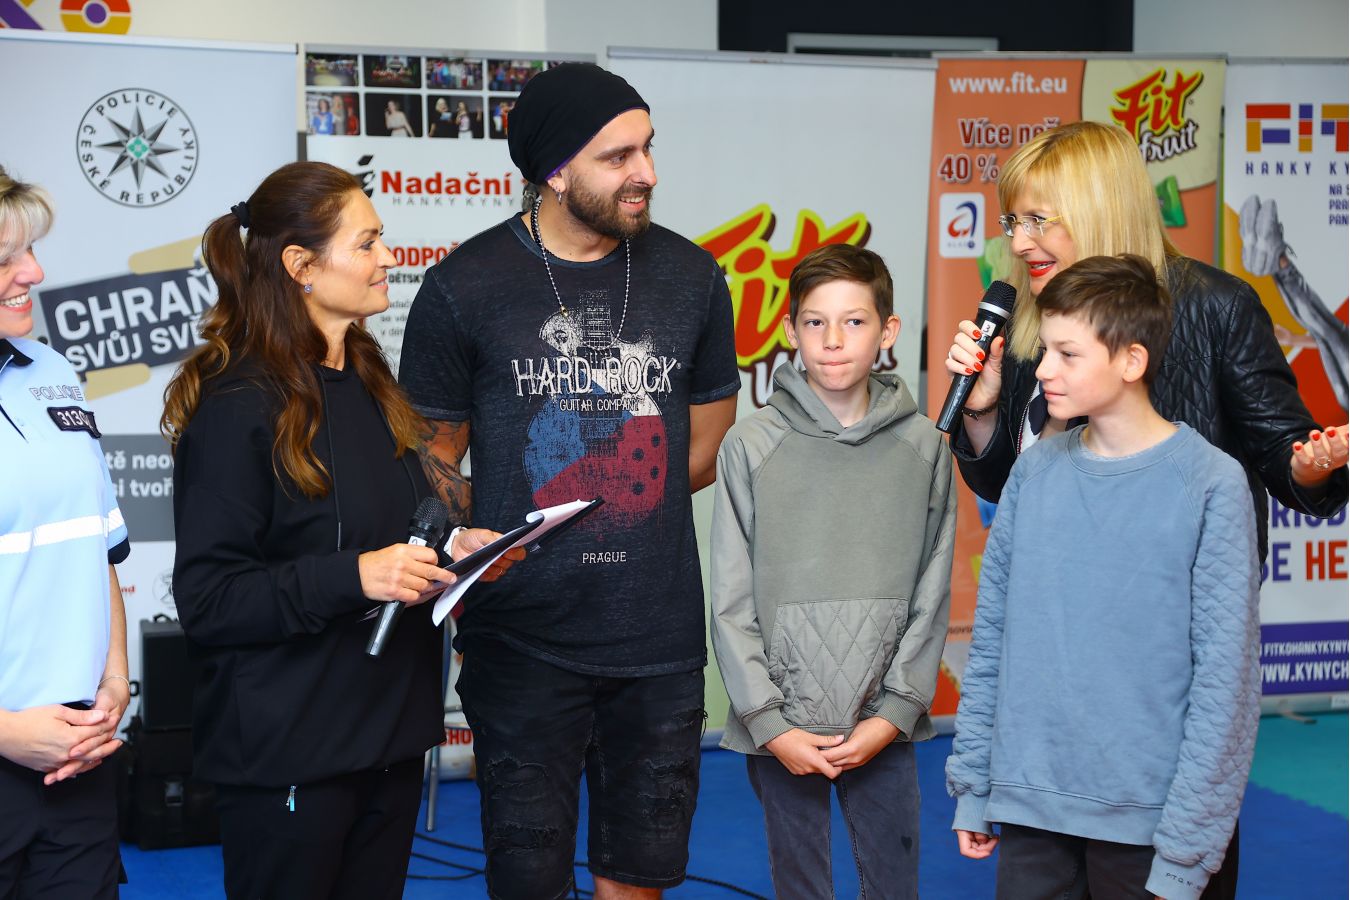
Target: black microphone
[[424, 527], [995, 308]]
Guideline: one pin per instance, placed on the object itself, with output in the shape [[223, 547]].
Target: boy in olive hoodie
[[831, 566]]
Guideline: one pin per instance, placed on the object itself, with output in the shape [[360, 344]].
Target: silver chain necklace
[[543, 251]]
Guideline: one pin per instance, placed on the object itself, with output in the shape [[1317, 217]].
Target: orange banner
[[985, 109]]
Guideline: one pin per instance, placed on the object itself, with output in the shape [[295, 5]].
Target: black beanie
[[558, 113]]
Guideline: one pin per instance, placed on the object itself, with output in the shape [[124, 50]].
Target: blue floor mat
[[1289, 848]]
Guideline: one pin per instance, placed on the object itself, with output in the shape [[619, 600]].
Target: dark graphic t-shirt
[[593, 403]]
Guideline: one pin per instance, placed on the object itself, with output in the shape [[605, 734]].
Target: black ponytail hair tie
[[240, 211]]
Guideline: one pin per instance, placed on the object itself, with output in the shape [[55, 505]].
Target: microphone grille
[[432, 511], [1001, 294]]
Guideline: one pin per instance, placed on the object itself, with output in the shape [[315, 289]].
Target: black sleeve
[[716, 375], [435, 365], [986, 473], [1260, 397], [226, 589]]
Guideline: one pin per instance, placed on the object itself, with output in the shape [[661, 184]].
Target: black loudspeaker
[[167, 676], [160, 804]]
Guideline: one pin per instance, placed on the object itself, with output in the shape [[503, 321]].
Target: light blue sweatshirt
[[1112, 690]]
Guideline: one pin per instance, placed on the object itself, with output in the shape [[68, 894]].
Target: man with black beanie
[[580, 351]]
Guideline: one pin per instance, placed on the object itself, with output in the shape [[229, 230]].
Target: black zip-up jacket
[[1224, 375], [273, 608]]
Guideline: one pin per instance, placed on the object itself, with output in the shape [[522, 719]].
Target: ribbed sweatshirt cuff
[[1173, 881], [970, 813], [901, 712], [766, 725]]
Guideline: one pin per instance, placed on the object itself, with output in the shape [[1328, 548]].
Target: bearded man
[[579, 351]]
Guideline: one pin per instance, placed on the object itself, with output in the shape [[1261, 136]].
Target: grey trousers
[[880, 802]]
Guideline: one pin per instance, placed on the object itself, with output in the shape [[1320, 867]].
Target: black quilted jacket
[[1224, 375]]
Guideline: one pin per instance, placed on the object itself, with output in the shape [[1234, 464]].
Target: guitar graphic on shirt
[[609, 439]]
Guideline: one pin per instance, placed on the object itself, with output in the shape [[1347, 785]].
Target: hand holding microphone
[[404, 574], [967, 358], [976, 356]]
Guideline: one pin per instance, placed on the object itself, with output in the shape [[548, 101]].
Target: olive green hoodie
[[831, 564]]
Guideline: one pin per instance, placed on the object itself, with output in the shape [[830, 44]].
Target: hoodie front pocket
[[828, 657]]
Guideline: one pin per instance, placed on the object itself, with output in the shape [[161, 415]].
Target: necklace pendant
[[562, 309]]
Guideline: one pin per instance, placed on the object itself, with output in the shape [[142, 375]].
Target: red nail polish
[[1331, 432], [1297, 446], [979, 367], [968, 371], [979, 354], [1317, 435], [977, 334]]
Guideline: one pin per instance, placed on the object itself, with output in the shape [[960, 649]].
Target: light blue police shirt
[[60, 527]]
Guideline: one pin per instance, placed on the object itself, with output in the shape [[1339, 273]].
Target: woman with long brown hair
[[294, 482]]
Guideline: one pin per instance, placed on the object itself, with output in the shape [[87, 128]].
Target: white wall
[[429, 24], [1273, 28], [559, 26], [589, 26], [1236, 27], [565, 26]]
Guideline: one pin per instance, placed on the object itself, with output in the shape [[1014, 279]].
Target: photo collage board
[[432, 95]]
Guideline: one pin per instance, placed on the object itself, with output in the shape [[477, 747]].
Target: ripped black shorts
[[536, 727]]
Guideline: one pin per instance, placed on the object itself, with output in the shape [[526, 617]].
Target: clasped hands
[[62, 742], [804, 753]]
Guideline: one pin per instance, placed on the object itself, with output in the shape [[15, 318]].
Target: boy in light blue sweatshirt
[[1109, 706]]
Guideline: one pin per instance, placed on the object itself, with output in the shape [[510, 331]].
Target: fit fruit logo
[[757, 276], [1153, 111]]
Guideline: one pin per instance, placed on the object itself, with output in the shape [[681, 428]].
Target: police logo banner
[[140, 144]]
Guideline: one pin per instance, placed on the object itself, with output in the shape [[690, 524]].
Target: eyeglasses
[[1032, 226]]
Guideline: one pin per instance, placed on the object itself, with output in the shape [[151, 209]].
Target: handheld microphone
[[424, 527], [995, 308]]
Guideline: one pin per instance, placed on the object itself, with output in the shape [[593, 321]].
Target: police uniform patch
[[74, 418]]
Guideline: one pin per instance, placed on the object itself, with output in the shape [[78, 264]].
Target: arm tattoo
[[443, 445]]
